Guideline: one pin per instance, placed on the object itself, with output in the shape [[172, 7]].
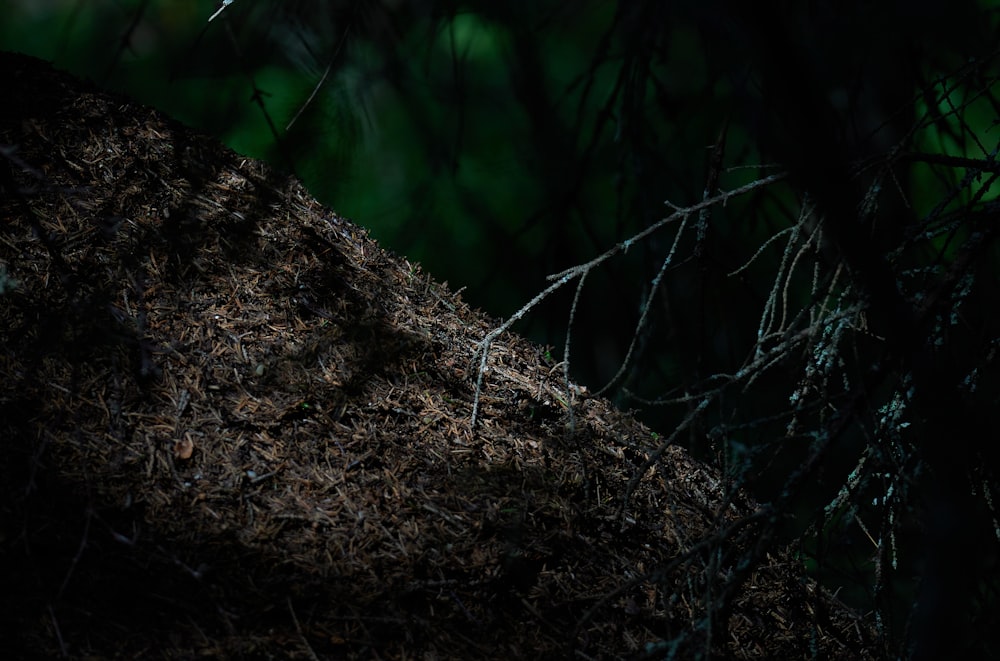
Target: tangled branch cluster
[[834, 400]]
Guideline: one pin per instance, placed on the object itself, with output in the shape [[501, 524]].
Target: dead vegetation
[[236, 427]]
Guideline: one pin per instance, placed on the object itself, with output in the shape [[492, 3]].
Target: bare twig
[[558, 280]]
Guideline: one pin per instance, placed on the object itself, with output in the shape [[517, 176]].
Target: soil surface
[[235, 427]]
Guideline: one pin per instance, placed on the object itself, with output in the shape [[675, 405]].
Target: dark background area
[[498, 143]]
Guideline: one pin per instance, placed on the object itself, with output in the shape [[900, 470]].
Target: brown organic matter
[[234, 427]]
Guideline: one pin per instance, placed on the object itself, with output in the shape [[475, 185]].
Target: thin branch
[[224, 5], [558, 280]]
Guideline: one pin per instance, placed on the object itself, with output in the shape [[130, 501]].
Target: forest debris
[[335, 503]]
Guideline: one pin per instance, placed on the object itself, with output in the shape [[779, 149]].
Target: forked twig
[[558, 280]]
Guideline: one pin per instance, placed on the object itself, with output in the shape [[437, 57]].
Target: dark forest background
[[829, 338]]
